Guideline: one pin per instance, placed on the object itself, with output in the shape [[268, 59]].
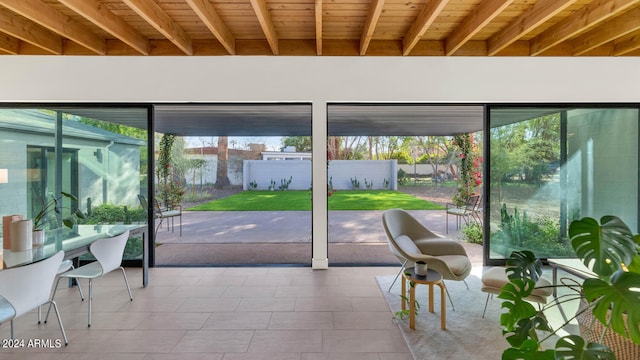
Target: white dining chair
[[28, 287], [108, 253], [65, 266]]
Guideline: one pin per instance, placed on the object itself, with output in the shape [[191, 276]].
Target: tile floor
[[224, 314]]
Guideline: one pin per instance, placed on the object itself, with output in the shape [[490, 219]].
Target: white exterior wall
[[342, 171], [263, 171], [319, 80]]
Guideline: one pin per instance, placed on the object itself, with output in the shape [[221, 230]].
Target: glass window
[[549, 166]]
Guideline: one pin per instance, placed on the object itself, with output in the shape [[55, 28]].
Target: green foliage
[[518, 231], [402, 177], [470, 176], [253, 185], [263, 200], [301, 143], [368, 185], [111, 214], [46, 218], [355, 183], [284, 183], [607, 248], [473, 233]]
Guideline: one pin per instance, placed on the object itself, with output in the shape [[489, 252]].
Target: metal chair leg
[[446, 289], [126, 283], [64, 334], [397, 276], [485, 305]]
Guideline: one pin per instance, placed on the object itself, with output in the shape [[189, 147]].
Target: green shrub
[[111, 214], [473, 233], [518, 232]]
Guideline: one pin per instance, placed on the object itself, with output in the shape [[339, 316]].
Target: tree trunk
[[222, 179]]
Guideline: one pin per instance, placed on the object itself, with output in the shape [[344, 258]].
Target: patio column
[[319, 235]]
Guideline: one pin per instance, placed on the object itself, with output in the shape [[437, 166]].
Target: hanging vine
[[470, 175], [164, 164]]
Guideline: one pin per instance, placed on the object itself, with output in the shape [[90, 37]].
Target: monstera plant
[[610, 250]]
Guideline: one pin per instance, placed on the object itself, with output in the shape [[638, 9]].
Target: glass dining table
[[75, 242]]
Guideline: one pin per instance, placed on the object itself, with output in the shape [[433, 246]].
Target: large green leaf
[[619, 298], [524, 265], [603, 247], [573, 347], [530, 350], [514, 294]]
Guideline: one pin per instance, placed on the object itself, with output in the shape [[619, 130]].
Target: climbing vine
[[164, 165], [470, 174]]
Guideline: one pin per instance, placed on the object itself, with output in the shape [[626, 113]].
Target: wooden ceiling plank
[[474, 22], [370, 25], [262, 12], [18, 27], [9, 44], [158, 18], [102, 17], [52, 19], [614, 29], [318, 17], [535, 16], [210, 17], [628, 45], [580, 21], [426, 17]]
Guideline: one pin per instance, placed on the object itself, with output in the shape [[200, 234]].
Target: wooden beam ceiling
[[370, 25], [474, 22], [613, 29], [50, 18], [262, 12], [320, 27], [98, 14], [20, 28], [154, 15], [535, 16], [209, 16], [582, 20], [426, 17]]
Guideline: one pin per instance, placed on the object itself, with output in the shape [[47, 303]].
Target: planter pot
[[38, 237], [21, 233], [6, 229], [591, 330]]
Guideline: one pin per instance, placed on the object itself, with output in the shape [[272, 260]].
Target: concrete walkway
[[284, 237]]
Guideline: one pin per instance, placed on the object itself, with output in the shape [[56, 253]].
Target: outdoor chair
[[28, 287], [463, 213], [410, 242], [162, 213]]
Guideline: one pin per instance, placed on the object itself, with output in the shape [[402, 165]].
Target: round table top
[[432, 277]]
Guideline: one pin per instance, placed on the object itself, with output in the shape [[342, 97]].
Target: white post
[[319, 238]]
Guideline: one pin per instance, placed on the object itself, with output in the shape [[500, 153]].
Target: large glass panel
[[549, 166], [222, 166], [98, 155], [384, 156]]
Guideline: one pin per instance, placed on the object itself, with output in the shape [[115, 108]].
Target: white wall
[[319, 80]]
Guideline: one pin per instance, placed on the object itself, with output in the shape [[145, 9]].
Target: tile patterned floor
[[224, 314]]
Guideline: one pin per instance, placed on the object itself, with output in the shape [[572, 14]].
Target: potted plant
[[43, 218], [610, 250]]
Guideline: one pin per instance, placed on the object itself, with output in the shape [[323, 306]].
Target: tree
[[301, 143], [222, 179]]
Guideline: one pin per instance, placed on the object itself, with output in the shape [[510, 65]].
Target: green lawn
[[301, 200]]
